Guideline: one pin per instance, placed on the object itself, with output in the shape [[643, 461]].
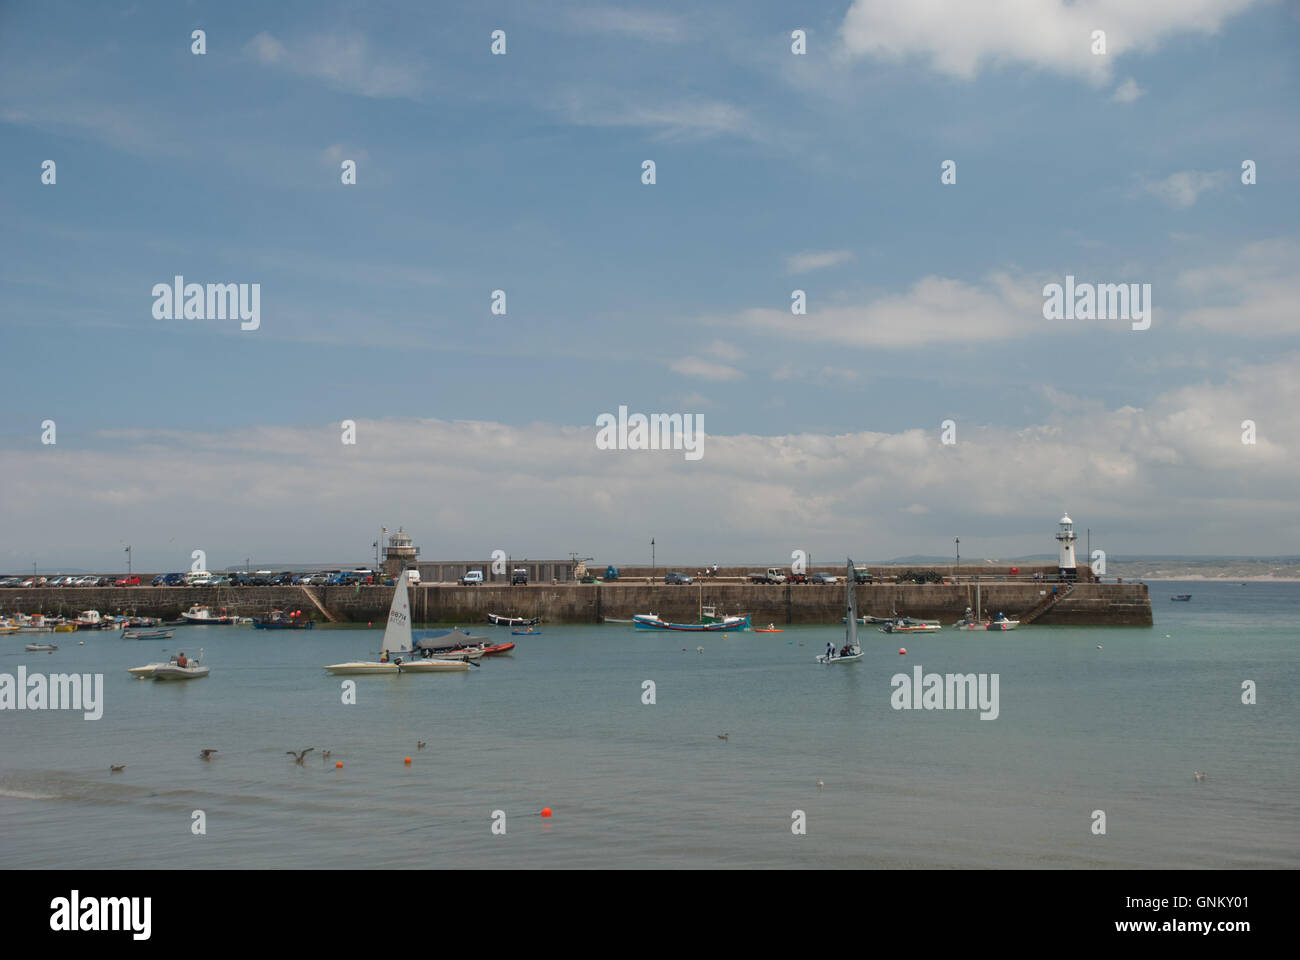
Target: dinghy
[[147, 635], [396, 645], [852, 649], [40, 647]]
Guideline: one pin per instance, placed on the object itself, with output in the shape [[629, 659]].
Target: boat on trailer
[[852, 649]]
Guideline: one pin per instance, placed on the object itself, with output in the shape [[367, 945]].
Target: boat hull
[[170, 672], [434, 666], [361, 668], [498, 648]]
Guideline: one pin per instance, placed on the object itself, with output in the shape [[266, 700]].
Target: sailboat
[[852, 650], [396, 645]]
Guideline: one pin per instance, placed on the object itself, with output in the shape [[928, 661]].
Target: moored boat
[[92, 620], [501, 621], [494, 649], [908, 625], [146, 634], [279, 620], [652, 621], [40, 647], [207, 616], [1185, 596]]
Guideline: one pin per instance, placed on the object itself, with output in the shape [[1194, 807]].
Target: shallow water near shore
[[561, 724]]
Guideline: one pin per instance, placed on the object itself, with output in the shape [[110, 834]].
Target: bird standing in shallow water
[[724, 736], [117, 768], [206, 753], [419, 745], [298, 757], [325, 754]]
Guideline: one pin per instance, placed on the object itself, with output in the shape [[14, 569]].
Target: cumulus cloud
[[961, 39], [464, 488], [1253, 293]]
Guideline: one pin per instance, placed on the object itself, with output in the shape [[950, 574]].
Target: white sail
[[851, 635], [397, 635]]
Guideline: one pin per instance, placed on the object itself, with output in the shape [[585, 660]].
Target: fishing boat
[[146, 634], [40, 647], [501, 621], [1186, 596], [139, 623], [91, 620], [279, 620], [852, 649], [207, 617], [396, 645], [651, 621], [708, 614]]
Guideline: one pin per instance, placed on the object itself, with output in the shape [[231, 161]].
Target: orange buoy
[[338, 764], [407, 761], [546, 811], [902, 650]]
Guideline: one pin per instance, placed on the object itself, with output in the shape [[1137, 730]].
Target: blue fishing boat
[[1182, 596]]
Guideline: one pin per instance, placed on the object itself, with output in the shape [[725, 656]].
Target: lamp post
[[128, 559], [652, 559], [956, 570]]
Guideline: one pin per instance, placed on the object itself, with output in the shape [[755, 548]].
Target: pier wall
[[1088, 604]]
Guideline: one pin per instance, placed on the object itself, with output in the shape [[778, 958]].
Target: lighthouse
[[1066, 537]]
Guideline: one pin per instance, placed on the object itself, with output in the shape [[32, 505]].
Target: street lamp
[[652, 559], [956, 571], [128, 559]]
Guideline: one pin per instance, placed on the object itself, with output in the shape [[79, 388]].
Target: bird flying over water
[[298, 757], [206, 753], [724, 736], [117, 767]]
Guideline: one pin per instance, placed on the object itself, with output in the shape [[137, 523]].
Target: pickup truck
[[773, 575], [861, 575], [473, 578]]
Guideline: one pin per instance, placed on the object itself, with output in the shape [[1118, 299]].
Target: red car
[[127, 581]]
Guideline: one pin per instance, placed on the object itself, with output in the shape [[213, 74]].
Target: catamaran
[[852, 650], [396, 645]]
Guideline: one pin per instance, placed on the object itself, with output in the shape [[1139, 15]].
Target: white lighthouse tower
[[1066, 537]]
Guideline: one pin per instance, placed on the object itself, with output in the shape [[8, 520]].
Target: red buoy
[[338, 764], [407, 761], [902, 650], [546, 811]]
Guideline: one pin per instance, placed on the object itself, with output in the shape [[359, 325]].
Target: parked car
[[679, 578], [860, 575], [128, 581], [174, 580], [472, 578], [823, 578], [519, 577]]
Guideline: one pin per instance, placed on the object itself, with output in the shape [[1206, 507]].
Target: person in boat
[[182, 660], [830, 650], [383, 657]]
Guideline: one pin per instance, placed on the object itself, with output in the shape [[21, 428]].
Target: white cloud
[[1257, 291], [645, 25], [725, 351], [961, 38], [704, 369], [935, 309], [1128, 91], [816, 260], [898, 493], [343, 62], [1181, 190]]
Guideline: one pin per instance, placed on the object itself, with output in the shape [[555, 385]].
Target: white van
[[197, 575], [413, 578]]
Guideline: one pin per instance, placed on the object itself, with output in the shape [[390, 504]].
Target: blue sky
[[522, 172]]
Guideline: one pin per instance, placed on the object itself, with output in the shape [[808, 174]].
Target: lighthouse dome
[[1066, 519]]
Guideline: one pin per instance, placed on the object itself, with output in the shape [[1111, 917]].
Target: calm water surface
[[562, 724]]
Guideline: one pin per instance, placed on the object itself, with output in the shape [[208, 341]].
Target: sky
[[522, 172]]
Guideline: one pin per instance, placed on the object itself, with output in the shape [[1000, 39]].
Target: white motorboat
[[852, 649], [91, 620], [396, 646], [908, 625], [206, 616], [40, 647], [973, 620], [171, 670]]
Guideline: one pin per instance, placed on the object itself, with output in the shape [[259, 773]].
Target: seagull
[[1199, 776], [206, 753], [820, 784], [419, 745], [117, 767], [699, 649], [298, 757], [325, 754], [723, 736]]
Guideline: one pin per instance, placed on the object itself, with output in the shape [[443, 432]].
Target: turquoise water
[[561, 724]]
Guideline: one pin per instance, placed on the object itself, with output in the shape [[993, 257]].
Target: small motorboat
[[530, 632], [433, 665], [40, 647], [908, 625], [206, 616], [362, 667], [146, 635], [139, 623], [1182, 596], [498, 648], [279, 620], [171, 670], [91, 620], [65, 628], [513, 621]]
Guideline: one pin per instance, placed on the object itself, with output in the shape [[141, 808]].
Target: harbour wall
[[1108, 604]]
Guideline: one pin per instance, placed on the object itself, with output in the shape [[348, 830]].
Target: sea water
[[564, 724]]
